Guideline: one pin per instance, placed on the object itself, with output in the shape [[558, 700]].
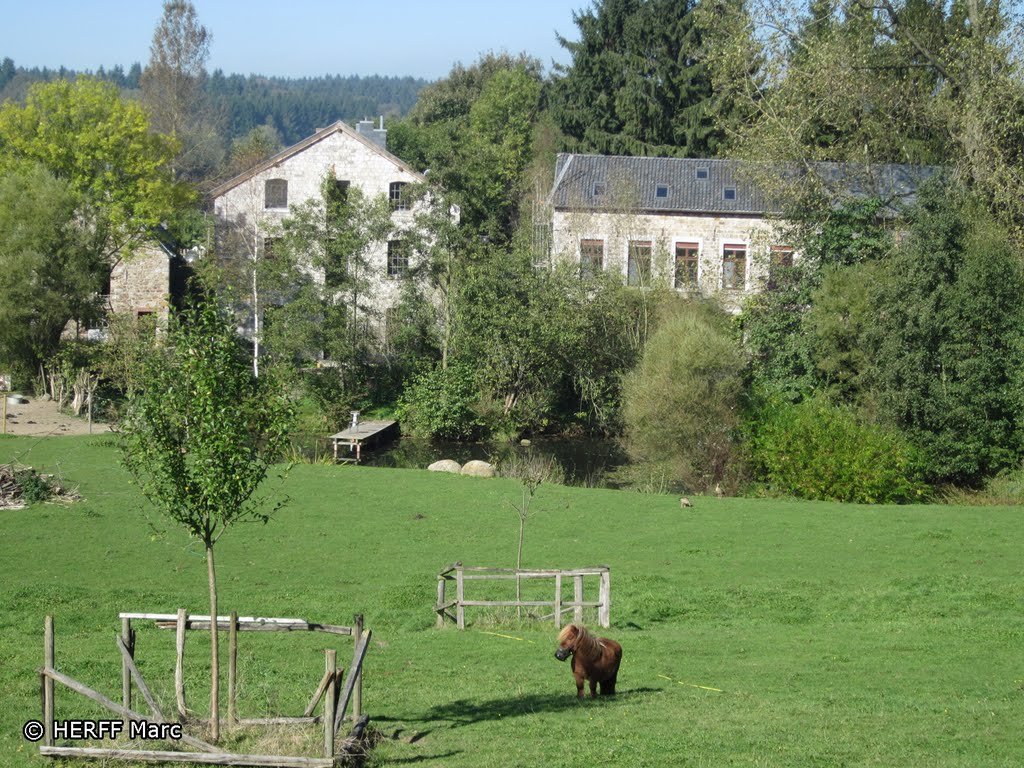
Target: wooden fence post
[[126, 673], [604, 610], [357, 690], [577, 596], [330, 701], [558, 601], [179, 664], [232, 668], [48, 656], [440, 601], [460, 610]]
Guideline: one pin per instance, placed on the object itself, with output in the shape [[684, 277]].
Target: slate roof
[[722, 187]]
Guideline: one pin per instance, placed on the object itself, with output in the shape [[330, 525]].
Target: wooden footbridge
[[362, 434]]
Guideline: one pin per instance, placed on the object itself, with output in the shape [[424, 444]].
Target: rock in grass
[[446, 465], [478, 468]]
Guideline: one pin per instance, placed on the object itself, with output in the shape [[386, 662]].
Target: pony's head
[[569, 639]]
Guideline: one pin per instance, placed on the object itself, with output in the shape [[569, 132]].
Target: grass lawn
[[832, 635]]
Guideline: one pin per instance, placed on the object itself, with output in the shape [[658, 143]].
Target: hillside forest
[[886, 364]]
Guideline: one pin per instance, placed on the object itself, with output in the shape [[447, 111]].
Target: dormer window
[[396, 195], [729, 193], [702, 173], [661, 191], [275, 193], [600, 189]]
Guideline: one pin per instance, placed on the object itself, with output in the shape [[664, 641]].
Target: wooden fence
[[460, 574], [335, 696]]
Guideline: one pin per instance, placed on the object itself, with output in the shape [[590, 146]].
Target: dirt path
[[41, 417]]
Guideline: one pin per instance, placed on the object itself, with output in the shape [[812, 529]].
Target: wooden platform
[[365, 433]]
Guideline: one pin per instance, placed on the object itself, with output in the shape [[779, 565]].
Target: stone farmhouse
[[702, 227], [249, 209]]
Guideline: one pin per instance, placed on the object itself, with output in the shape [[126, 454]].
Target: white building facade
[[251, 209], [699, 226]]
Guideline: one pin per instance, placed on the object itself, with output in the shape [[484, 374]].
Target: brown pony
[[593, 658]]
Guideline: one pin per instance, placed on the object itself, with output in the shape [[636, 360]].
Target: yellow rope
[[692, 685], [508, 637]]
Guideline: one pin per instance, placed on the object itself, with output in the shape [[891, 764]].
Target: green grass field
[[835, 635]]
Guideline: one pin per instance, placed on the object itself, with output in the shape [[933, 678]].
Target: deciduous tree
[[199, 436], [85, 134], [172, 89], [49, 278]]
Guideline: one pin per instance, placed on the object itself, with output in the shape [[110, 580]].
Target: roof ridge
[[338, 126]]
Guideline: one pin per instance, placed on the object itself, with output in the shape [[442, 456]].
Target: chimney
[[378, 136]]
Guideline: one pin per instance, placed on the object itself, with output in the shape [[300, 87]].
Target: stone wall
[[243, 221], [140, 283], [710, 233]]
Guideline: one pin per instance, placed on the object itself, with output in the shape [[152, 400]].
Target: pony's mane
[[587, 646]]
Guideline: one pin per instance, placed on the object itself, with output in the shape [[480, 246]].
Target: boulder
[[478, 468], [446, 465]]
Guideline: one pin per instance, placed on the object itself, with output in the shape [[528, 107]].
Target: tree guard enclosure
[[335, 693], [459, 574]]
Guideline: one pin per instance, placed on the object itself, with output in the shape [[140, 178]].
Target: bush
[[815, 450], [441, 402], [681, 404]]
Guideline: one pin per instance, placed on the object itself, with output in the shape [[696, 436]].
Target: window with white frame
[[686, 265], [275, 193], [638, 262], [734, 266], [398, 258], [397, 197], [591, 257]]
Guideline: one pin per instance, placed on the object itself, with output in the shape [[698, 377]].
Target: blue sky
[[293, 38]]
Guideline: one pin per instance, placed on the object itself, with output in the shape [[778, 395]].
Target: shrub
[[441, 402], [681, 404], [815, 450]]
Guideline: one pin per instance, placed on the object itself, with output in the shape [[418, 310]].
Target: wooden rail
[[329, 691], [461, 574]]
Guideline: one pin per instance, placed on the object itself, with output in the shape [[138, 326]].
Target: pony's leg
[[593, 689], [579, 689]]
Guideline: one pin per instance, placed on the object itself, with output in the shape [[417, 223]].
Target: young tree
[[199, 436], [331, 242]]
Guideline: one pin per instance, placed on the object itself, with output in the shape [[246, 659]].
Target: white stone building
[[250, 209], [699, 226]]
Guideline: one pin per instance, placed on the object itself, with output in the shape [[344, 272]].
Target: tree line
[[292, 107]]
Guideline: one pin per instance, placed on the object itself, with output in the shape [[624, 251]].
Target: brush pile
[[21, 486]]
